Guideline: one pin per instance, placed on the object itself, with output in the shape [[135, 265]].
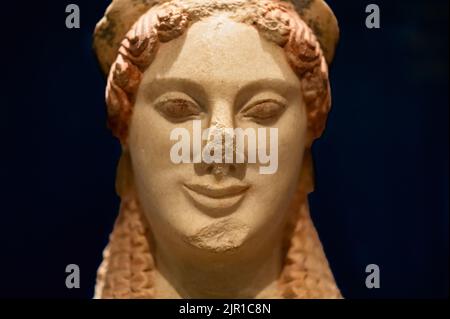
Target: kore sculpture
[[216, 104]]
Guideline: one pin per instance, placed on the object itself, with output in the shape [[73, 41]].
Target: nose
[[225, 166], [220, 136]]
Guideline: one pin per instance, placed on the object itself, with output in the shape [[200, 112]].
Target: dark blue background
[[382, 166]]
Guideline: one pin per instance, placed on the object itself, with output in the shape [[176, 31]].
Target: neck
[[247, 272]]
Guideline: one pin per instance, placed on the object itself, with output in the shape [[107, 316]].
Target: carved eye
[[264, 111], [178, 109]]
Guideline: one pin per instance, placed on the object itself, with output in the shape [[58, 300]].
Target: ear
[[307, 173], [124, 174]]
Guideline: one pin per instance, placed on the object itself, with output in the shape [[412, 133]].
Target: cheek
[[149, 147], [273, 192], [156, 178], [149, 141], [291, 139]]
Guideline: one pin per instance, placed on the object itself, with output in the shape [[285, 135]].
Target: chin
[[224, 235]]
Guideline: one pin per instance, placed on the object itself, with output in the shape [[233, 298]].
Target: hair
[[128, 265]]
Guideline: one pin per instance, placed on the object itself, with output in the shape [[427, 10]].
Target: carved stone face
[[224, 74]]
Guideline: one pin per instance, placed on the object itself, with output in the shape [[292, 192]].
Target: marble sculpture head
[[220, 229]]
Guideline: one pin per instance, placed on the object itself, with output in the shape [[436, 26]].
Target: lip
[[216, 191], [216, 199]]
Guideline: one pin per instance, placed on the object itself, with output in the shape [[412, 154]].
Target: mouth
[[216, 200]]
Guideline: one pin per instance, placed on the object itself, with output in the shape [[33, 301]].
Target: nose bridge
[[221, 123], [222, 115]]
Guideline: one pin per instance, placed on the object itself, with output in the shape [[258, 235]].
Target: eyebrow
[[282, 87], [163, 85]]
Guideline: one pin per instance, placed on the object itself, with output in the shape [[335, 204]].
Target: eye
[[177, 109], [264, 111]]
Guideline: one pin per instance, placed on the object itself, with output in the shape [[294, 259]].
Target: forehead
[[220, 51]]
